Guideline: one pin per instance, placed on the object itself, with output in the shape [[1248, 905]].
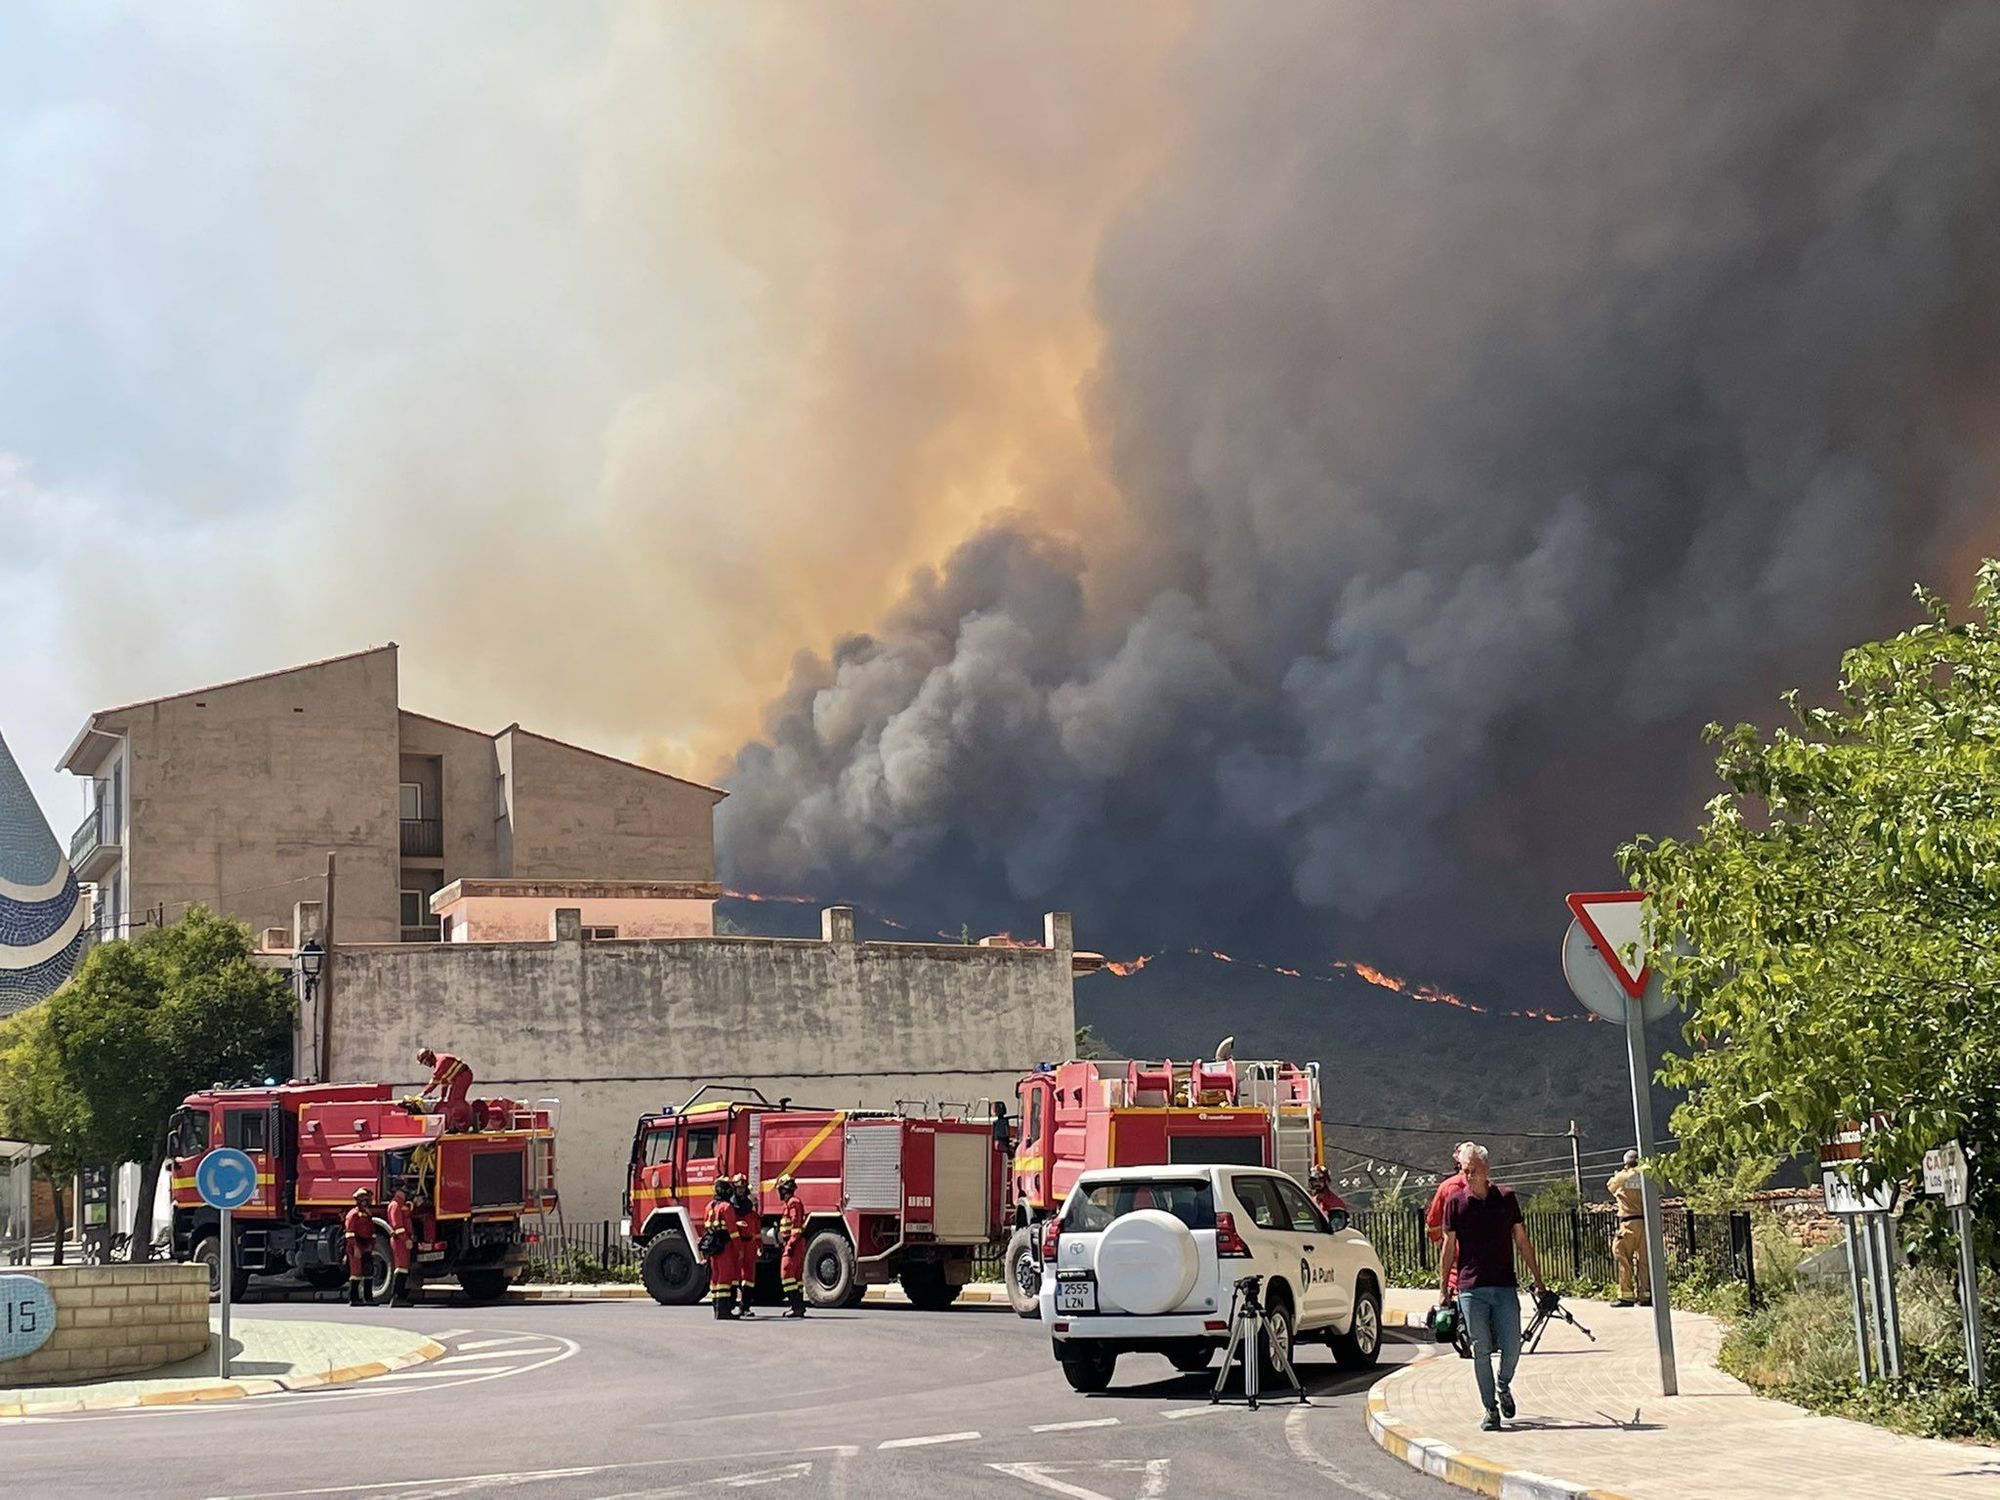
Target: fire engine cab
[[314, 1144], [888, 1196], [1081, 1115]]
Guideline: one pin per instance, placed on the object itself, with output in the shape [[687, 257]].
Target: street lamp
[[310, 957]]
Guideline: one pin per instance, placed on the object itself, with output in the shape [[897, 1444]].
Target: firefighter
[[450, 1081], [400, 1245], [792, 1247], [1321, 1185], [718, 1243], [1628, 1246], [750, 1244], [359, 1229]]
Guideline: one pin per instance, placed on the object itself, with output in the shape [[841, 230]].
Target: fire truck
[[889, 1196], [313, 1144], [1079, 1115]]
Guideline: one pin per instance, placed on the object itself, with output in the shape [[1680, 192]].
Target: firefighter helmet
[[1318, 1178], [787, 1185], [360, 1193]]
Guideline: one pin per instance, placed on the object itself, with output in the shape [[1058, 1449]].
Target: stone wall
[[115, 1320]]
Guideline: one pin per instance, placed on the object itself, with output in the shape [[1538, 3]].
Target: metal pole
[[1968, 1275], [1886, 1314], [326, 965], [1854, 1290], [1656, 1239], [226, 1255], [1888, 1233], [1576, 1168]]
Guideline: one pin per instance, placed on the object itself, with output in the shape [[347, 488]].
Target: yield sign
[[1614, 921]]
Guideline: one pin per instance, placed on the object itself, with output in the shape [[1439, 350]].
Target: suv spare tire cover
[[1147, 1262]]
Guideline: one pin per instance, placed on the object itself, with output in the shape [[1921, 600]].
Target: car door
[[1268, 1230], [1321, 1259]]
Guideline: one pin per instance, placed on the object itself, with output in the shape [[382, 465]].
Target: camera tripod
[[1247, 1329], [1548, 1307]]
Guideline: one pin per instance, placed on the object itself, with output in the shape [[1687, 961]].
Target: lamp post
[[307, 965]]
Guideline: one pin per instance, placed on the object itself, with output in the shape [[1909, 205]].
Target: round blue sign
[[226, 1178], [27, 1316]]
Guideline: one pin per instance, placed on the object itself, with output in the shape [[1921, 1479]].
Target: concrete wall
[[615, 1029], [237, 792], [115, 1320], [520, 919], [468, 802], [577, 815]]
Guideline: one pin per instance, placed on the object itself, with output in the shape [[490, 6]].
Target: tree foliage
[[1834, 926]]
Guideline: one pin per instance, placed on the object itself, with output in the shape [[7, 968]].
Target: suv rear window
[[1094, 1207]]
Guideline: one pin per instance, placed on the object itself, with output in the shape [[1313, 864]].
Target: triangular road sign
[[1614, 920]]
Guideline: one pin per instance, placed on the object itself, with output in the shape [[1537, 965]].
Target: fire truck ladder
[[1291, 1124], [539, 1121]]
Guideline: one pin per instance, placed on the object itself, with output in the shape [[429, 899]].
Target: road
[[629, 1401]]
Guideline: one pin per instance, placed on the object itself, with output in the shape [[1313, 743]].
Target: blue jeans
[[1492, 1317]]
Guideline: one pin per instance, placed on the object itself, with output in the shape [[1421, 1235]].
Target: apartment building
[[235, 794]]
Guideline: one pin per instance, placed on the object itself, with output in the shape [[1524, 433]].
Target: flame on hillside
[[1129, 966], [761, 896]]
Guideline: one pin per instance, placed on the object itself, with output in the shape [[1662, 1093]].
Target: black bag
[[713, 1242]]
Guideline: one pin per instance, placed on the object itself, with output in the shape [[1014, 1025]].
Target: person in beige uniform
[[1628, 1247]]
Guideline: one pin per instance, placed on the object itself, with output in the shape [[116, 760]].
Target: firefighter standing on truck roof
[[358, 1228], [718, 1243], [400, 1245], [1628, 1246], [792, 1247], [451, 1080], [750, 1242]]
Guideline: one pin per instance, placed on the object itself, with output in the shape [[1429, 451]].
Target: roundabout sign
[[27, 1316]]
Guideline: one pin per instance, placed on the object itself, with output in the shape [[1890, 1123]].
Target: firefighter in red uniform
[[359, 1229], [1330, 1202], [718, 1243], [400, 1245], [750, 1245], [451, 1080], [792, 1247]]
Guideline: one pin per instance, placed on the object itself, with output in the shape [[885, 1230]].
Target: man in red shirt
[[451, 1080], [719, 1231], [749, 1246], [400, 1245], [792, 1247], [1482, 1233], [358, 1230]]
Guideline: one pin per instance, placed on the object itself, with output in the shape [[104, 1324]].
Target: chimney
[[836, 924]]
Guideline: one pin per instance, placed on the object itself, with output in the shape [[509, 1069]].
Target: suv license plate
[[1076, 1292]]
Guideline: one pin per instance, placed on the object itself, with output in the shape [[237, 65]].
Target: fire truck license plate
[[1076, 1292]]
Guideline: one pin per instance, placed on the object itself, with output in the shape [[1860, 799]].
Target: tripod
[[1247, 1329], [1548, 1307]]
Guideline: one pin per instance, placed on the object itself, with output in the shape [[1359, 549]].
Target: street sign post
[[1948, 1174], [1604, 960], [226, 1180], [1866, 1207]]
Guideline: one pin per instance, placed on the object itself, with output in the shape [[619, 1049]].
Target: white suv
[[1146, 1260]]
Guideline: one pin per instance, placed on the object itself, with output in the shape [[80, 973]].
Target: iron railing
[[423, 838]]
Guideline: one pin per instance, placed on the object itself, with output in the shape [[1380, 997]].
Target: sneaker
[[1492, 1422], [1507, 1403], [1622, 1302]]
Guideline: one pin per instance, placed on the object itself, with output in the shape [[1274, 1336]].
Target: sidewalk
[[1592, 1423], [292, 1355]]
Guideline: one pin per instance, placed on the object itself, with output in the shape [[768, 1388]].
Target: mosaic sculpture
[[41, 910]]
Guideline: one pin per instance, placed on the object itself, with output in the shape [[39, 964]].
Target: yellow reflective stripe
[[839, 1115]]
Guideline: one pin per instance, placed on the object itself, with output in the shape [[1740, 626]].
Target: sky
[[1298, 473]]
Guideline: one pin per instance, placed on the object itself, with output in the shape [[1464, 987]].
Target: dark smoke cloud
[[1496, 393]]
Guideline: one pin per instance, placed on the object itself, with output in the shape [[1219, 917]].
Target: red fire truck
[[888, 1196], [1079, 1115], [315, 1143]]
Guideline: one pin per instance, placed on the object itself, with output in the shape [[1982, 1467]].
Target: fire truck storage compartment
[[874, 1166], [963, 1186], [497, 1179], [1215, 1150]]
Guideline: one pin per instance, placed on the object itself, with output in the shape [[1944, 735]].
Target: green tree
[[144, 1024], [37, 1105], [1834, 926]]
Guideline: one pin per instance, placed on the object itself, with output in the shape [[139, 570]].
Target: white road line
[[512, 1338], [431, 1374], [925, 1442], [1075, 1426], [1303, 1450], [452, 1333], [454, 1359], [1192, 1411], [524, 1476]]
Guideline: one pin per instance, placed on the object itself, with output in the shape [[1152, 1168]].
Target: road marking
[[442, 1374], [1192, 1411], [525, 1476], [1303, 1450], [454, 1359], [512, 1338], [1044, 1476], [452, 1333], [1075, 1426], [925, 1442]]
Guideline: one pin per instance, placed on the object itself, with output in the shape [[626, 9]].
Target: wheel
[[1089, 1371], [381, 1269], [1361, 1345], [1023, 1272], [672, 1274], [1192, 1358], [325, 1278], [1279, 1333], [208, 1252], [832, 1277], [487, 1284], [925, 1285]]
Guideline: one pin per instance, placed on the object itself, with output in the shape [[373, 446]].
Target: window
[[1096, 1206], [413, 909], [244, 1129], [1260, 1202], [444, 929], [189, 1136], [701, 1143], [410, 800], [599, 934], [1034, 1135], [1298, 1207], [659, 1146]]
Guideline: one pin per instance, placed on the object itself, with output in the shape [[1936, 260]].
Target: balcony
[[428, 932], [93, 851], [423, 838]]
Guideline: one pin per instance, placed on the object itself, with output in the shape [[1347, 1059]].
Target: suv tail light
[[1051, 1232], [1227, 1241]]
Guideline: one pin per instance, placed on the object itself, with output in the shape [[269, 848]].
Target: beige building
[[235, 794]]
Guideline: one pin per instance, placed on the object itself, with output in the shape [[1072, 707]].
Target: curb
[[424, 1353], [1455, 1466]]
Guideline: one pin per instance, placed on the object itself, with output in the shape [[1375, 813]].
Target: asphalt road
[[629, 1401]]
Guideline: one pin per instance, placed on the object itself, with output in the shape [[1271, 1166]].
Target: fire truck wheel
[[208, 1252], [925, 1285], [325, 1278], [381, 1270], [671, 1273], [1023, 1273], [833, 1279], [487, 1284]]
